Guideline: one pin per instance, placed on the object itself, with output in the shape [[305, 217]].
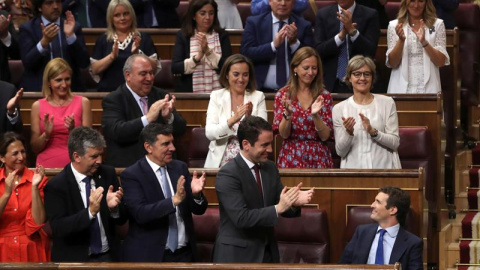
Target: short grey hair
[[356, 63], [128, 64], [82, 138]]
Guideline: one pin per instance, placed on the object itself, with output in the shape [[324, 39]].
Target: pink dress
[[303, 148], [55, 153]]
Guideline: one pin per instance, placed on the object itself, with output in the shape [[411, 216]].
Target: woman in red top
[[22, 214]]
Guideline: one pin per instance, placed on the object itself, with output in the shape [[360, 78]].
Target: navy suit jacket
[[327, 26], [8, 91], [34, 62], [165, 12], [149, 210], [407, 250], [246, 221], [257, 37], [122, 124], [70, 220], [97, 9]]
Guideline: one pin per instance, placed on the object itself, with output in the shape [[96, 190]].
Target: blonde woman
[[416, 49], [121, 40], [55, 115]]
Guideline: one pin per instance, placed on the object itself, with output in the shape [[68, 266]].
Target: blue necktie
[[342, 58], [55, 47], [95, 238], [172, 240], [379, 256], [281, 64]]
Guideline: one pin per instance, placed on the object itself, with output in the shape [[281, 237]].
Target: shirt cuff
[[144, 120], [295, 46], [170, 120], [354, 37], [7, 41], [273, 47], [40, 48], [338, 41], [71, 39]]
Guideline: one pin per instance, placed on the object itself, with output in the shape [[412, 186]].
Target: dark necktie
[[342, 58], [55, 48], [281, 64], [95, 237], [256, 168], [148, 19], [172, 240], [379, 256]]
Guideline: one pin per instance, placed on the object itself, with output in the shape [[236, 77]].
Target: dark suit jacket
[[246, 222], [149, 210], [8, 91], [327, 26], [96, 10], [181, 51], [70, 220], [257, 37], [122, 125], [446, 11], [11, 52], [165, 11], [407, 250], [34, 62]]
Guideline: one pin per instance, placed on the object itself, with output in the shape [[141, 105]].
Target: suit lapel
[[131, 102], [399, 247], [75, 190]]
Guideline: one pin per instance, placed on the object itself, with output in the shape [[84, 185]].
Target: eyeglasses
[[358, 74]]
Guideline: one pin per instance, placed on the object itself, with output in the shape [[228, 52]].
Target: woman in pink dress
[[22, 214], [303, 114], [55, 115]]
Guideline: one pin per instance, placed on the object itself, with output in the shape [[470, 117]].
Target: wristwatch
[[353, 33]]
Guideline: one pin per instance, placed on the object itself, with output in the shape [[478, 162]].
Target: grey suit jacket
[[246, 222]]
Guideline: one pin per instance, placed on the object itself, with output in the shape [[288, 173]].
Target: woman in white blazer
[[228, 106], [416, 49]]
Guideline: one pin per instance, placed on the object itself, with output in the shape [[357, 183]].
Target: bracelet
[[425, 45]]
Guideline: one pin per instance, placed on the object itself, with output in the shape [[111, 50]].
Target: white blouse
[[361, 151]]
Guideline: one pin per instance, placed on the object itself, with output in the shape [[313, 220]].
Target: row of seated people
[[160, 225], [201, 48], [364, 127]]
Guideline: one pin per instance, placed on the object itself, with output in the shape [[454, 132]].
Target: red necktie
[[257, 177]]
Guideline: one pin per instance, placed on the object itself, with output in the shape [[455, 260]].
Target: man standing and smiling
[[251, 196]]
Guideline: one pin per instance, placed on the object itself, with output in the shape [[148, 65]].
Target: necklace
[[124, 44]]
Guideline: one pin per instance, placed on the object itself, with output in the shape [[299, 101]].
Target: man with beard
[[83, 203]]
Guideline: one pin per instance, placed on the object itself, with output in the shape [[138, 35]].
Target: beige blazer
[[218, 112]]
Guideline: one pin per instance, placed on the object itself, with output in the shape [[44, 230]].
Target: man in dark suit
[[49, 36], [83, 203], [386, 242], [131, 107], [89, 13], [10, 119], [251, 196], [271, 47], [160, 198], [341, 32], [156, 13], [8, 45]]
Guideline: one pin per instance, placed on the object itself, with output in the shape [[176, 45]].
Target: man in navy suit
[[49, 36], [160, 197], [358, 35], [83, 203], [389, 210], [264, 41]]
